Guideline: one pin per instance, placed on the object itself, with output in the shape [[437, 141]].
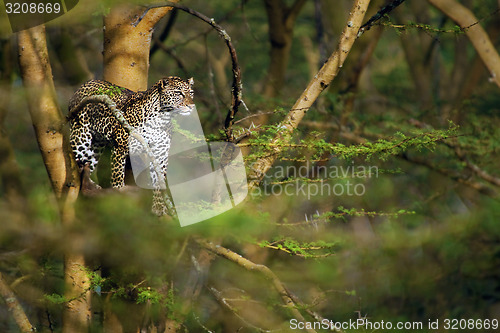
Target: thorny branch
[[236, 90], [320, 82], [482, 188], [264, 270]]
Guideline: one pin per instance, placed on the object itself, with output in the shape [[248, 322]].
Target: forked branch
[[476, 34], [236, 90], [320, 82]]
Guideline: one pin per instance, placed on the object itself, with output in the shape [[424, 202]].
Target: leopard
[[95, 126]]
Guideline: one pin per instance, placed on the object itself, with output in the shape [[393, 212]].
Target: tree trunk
[[126, 63], [126, 47], [53, 142], [281, 21]]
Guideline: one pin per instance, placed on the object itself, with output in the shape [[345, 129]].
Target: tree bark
[[476, 34], [281, 21], [320, 82], [127, 47], [126, 63], [63, 172], [46, 115], [15, 307]]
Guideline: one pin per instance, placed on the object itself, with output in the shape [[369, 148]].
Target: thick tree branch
[[320, 82], [127, 46], [478, 37], [15, 307], [46, 115], [64, 175]]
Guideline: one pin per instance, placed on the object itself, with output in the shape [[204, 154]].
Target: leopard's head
[[176, 95]]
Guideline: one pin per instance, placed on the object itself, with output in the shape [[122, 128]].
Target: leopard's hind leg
[[85, 147]]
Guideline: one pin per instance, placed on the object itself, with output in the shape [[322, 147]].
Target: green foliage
[[291, 246], [112, 91], [409, 25], [56, 298], [317, 148]]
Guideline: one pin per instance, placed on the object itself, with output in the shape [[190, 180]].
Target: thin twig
[[224, 301], [383, 11]]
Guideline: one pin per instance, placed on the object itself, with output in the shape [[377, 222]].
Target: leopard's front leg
[[118, 158]]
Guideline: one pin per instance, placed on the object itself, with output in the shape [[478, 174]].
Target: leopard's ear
[[191, 81]]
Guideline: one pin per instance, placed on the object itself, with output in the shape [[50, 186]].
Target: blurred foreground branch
[[15, 308], [264, 270]]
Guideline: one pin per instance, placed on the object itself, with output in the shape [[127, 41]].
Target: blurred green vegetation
[[422, 242]]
